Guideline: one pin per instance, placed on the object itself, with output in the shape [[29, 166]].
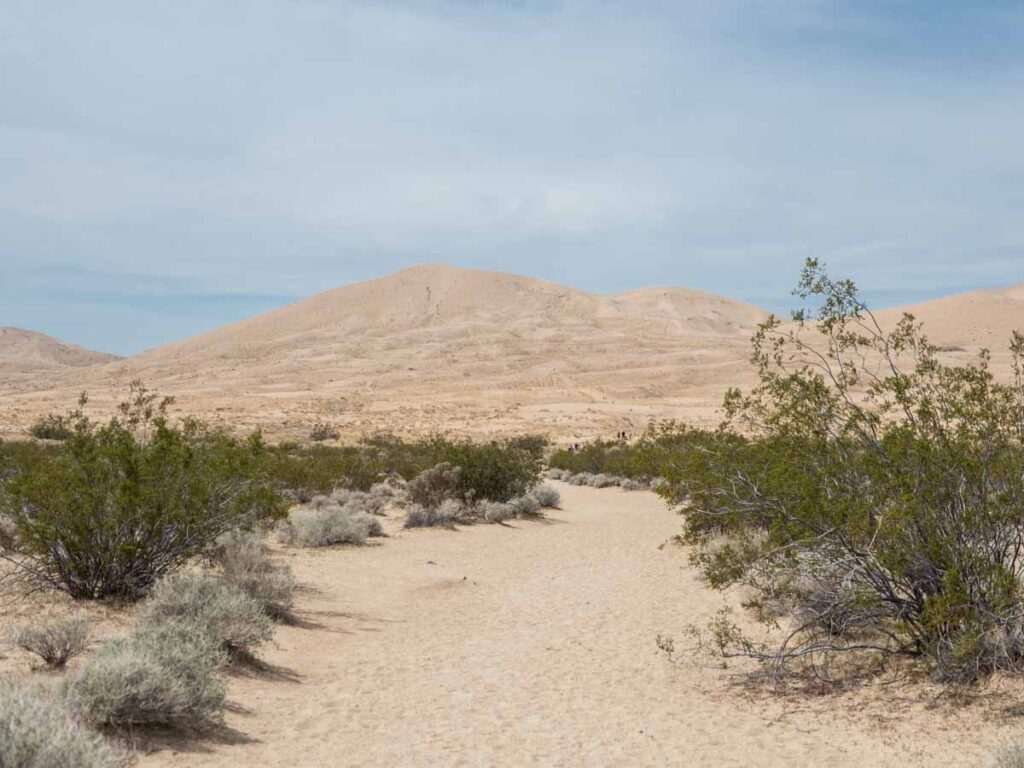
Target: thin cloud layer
[[199, 162]]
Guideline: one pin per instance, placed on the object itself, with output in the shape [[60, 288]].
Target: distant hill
[[28, 349], [438, 347], [969, 320]]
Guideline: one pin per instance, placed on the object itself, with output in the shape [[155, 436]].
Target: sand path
[[533, 645]]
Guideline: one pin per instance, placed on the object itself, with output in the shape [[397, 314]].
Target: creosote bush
[[245, 561], [53, 427], [38, 731], [55, 640], [867, 490], [162, 675], [117, 506], [211, 606]]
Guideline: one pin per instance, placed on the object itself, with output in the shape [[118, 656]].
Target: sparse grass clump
[[55, 640], [325, 523], [1010, 756], [38, 731], [211, 606], [420, 516], [497, 511], [246, 563], [162, 675], [547, 497]]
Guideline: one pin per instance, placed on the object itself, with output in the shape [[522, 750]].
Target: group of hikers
[[622, 436]]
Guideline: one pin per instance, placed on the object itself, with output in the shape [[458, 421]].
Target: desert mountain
[[28, 349], [438, 347]]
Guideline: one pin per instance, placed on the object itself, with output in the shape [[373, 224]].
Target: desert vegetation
[[865, 494], [118, 505]]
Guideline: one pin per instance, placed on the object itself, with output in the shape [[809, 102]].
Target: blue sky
[[166, 167]]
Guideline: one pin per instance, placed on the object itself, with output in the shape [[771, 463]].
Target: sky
[[168, 167]]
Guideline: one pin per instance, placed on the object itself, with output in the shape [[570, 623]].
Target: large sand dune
[[471, 352], [533, 644], [437, 347]]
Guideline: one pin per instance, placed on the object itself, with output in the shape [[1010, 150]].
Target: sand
[[469, 352], [533, 644]]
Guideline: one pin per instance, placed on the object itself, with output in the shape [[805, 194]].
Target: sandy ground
[[533, 644]]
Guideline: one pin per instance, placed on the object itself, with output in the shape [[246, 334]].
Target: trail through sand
[[534, 645]]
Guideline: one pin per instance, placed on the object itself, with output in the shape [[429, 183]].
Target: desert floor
[[534, 644]]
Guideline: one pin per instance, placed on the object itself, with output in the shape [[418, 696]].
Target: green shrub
[[497, 470], [876, 497], [162, 675], [246, 563], [211, 606], [37, 731], [53, 427], [117, 506], [55, 640]]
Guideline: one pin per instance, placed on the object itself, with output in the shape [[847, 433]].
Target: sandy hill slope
[[28, 349], [969, 320], [438, 347], [475, 353]]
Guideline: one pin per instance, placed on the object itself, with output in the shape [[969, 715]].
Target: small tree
[[121, 504], [880, 499]]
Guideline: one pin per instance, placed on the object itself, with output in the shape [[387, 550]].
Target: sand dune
[[28, 349], [438, 347], [534, 645], [470, 352], [971, 321]]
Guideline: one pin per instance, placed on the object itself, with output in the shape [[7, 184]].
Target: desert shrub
[[52, 427], [885, 489], [419, 516], [554, 473], [493, 471], [163, 674], [55, 640], [38, 731], [497, 470], [213, 607], [322, 431], [547, 496], [497, 511], [327, 525], [432, 487], [117, 506], [525, 506], [1010, 756], [246, 563]]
